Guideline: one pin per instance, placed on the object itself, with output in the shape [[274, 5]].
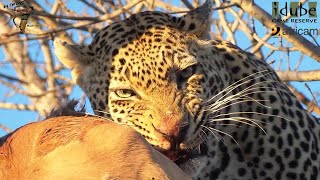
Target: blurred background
[[33, 81]]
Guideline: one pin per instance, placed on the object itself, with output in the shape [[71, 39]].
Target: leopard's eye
[[188, 72], [124, 93], [185, 74]]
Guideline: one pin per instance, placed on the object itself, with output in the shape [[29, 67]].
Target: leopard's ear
[[197, 21], [75, 57]]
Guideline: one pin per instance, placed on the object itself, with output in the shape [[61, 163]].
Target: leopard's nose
[[174, 134]]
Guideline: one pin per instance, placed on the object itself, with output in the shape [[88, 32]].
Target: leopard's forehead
[[145, 46], [130, 29], [145, 49]]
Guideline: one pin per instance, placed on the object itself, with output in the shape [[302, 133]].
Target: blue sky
[[14, 119]]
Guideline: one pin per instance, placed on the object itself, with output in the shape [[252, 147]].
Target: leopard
[[214, 109]]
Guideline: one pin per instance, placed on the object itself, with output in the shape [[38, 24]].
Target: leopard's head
[[153, 72]]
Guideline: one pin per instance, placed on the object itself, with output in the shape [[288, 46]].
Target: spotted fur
[[158, 74]]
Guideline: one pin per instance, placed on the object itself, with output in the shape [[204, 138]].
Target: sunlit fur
[[156, 73], [83, 147]]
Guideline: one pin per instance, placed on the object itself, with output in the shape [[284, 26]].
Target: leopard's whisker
[[222, 124], [212, 110], [210, 120], [216, 135], [237, 97], [205, 135], [248, 112], [235, 85], [240, 119], [104, 112], [241, 93], [213, 129], [233, 120]]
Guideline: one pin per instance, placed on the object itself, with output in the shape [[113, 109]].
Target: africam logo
[[24, 10], [295, 31]]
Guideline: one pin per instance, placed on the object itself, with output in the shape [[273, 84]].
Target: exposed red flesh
[[173, 155]]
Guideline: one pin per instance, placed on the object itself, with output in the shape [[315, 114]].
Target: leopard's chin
[[191, 153], [181, 157], [182, 152]]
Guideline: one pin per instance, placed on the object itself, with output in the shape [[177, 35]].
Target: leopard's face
[[160, 87], [148, 72]]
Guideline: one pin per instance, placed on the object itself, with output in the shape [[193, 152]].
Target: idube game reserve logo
[[24, 10], [297, 13]]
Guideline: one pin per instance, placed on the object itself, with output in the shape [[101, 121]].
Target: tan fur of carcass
[[83, 147]]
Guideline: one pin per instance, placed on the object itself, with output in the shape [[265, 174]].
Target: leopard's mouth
[[175, 154], [182, 156], [187, 155], [179, 150]]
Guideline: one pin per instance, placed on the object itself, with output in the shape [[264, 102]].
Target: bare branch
[[224, 24], [12, 78], [301, 97], [92, 6], [224, 6], [49, 64], [186, 2], [313, 75], [24, 107], [5, 128], [4, 41], [14, 88], [93, 20]]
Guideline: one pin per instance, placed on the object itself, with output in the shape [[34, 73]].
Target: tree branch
[[313, 75], [92, 6], [14, 88], [4, 41], [24, 107], [10, 78], [93, 20], [225, 25], [186, 2], [312, 107], [48, 58], [5, 128]]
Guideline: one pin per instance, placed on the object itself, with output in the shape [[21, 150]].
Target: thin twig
[[5, 128], [24, 107], [12, 78], [4, 41], [301, 97], [94, 20], [189, 5], [314, 100]]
